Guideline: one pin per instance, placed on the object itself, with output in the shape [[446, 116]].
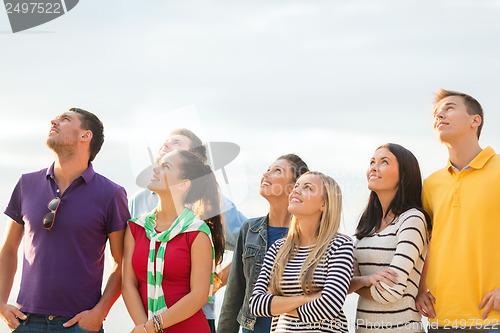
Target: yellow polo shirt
[[464, 258]]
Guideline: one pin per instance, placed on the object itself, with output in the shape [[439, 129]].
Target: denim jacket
[[245, 268]]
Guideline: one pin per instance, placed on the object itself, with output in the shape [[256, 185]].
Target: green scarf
[[185, 222]]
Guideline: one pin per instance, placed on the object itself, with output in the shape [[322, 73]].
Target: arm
[[425, 298], [260, 301], [411, 246], [339, 273], [359, 282], [92, 319], [130, 286], [187, 306], [8, 263], [235, 290]]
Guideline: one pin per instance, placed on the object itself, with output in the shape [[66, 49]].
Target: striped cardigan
[[402, 246], [333, 274]]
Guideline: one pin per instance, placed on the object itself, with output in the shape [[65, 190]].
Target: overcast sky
[[328, 80]]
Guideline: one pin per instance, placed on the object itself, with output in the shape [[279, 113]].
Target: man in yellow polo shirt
[[460, 285]]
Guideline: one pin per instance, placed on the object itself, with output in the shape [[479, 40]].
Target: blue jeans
[[45, 324]]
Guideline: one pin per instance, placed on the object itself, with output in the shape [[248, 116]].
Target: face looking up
[[166, 173], [383, 173], [307, 198], [451, 120], [175, 142], [277, 180], [65, 132]]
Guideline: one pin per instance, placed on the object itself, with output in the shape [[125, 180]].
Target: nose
[[439, 114], [156, 169], [266, 174], [54, 122]]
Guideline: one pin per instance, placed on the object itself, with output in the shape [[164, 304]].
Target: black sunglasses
[[48, 220]]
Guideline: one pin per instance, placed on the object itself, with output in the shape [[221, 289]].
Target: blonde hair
[[327, 230]]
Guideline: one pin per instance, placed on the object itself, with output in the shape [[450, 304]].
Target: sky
[[328, 80]]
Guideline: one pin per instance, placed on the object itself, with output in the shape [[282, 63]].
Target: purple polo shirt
[[63, 268]]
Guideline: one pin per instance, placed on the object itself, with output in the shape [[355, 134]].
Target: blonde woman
[[305, 277]]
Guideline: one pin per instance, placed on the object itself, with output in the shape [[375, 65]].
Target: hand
[[88, 320], [388, 276], [312, 297], [491, 300], [424, 304], [9, 314]]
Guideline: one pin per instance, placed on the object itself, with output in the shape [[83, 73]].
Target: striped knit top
[[402, 246], [332, 274]]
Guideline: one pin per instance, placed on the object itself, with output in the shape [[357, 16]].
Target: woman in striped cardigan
[[392, 240], [305, 277]]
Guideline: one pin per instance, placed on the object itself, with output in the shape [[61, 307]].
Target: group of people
[[291, 270]]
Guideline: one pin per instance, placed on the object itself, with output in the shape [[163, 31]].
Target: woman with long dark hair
[[256, 236], [171, 253], [305, 277], [392, 240]]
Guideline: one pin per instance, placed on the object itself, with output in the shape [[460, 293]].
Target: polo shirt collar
[[87, 175], [478, 162]]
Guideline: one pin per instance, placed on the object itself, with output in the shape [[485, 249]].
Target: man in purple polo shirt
[[66, 212]]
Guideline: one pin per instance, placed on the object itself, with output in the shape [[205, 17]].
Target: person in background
[[171, 253], [460, 288], [67, 212], [392, 240], [256, 237], [305, 277], [146, 200]]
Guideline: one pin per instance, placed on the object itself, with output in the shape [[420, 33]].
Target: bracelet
[[157, 324], [145, 330]]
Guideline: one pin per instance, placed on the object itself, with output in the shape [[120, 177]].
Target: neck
[[168, 209], [463, 152], [278, 213], [308, 226], [385, 199], [67, 169]]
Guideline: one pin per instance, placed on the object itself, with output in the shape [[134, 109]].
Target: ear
[[87, 135], [476, 121], [184, 185], [322, 208]]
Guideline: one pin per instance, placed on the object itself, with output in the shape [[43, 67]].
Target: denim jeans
[[45, 324]]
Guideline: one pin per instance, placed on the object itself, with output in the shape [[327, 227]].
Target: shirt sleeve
[[233, 219], [118, 213], [260, 301], [14, 208], [339, 274], [411, 246]]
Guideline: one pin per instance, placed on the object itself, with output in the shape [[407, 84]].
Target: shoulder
[[436, 176], [340, 241], [411, 217], [254, 223], [35, 175], [106, 184], [273, 250], [410, 214]]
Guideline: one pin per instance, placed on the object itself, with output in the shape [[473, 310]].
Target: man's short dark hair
[[91, 123], [196, 146], [472, 105]]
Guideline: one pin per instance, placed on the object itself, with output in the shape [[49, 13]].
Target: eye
[[385, 162], [307, 187], [296, 185], [278, 171], [372, 162]]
